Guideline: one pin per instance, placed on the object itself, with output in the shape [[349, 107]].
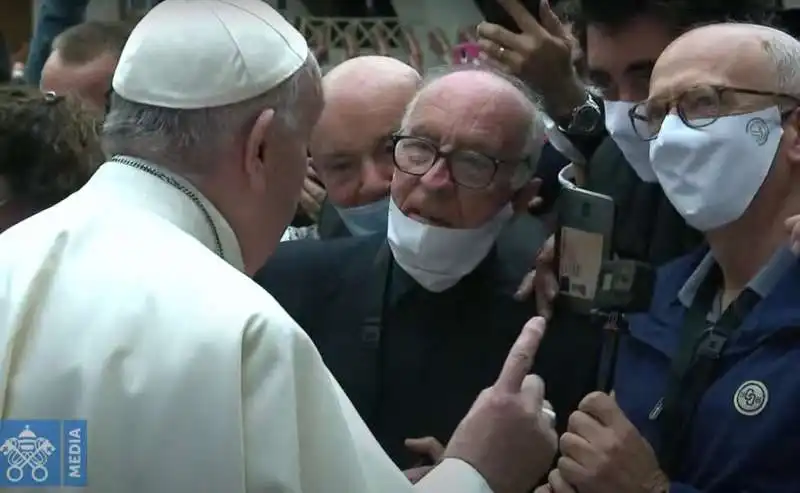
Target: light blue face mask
[[366, 219]]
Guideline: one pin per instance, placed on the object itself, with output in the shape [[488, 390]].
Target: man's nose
[[439, 177]]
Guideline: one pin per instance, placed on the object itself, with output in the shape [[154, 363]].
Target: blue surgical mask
[[366, 219]]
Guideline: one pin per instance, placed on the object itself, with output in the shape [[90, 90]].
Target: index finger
[[521, 15], [520, 357]]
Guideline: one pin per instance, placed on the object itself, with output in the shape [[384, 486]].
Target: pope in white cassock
[[129, 304]]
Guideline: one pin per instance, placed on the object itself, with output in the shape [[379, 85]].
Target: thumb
[[550, 20]]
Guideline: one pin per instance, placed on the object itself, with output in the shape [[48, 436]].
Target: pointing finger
[[520, 358], [522, 17]]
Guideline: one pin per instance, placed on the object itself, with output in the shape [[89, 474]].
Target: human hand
[[428, 448], [555, 484], [542, 280], [541, 55], [602, 452], [507, 436], [312, 195]]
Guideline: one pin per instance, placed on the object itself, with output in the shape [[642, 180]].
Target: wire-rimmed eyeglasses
[[697, 107], [470, 169]]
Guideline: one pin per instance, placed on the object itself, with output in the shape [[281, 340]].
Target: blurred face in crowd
[[621, 59], [480, 122], [726, 137], [48, 149], [351, 145], [87, 81]]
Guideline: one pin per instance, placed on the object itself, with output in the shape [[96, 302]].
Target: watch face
[[586, 119]]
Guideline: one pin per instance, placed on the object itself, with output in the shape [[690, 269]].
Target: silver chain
[[142, 166]]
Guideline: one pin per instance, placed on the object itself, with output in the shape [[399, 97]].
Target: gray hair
[[179, 138], [534, 132], [784, 52]]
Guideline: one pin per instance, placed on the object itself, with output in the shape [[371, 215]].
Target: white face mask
[[711, 174], [365, 219], [635, 150], [436, 257]]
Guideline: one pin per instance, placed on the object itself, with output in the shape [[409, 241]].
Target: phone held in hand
[[583, 244]]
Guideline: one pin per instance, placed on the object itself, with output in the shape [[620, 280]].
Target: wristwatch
[[586, 119]]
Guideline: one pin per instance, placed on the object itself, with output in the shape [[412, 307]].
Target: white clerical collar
[[154, 194]]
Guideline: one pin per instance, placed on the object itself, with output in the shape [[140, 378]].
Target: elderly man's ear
[[793, 133], [527, 197]]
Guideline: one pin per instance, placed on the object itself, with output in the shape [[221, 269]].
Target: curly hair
[[49, 145], [680, 15]]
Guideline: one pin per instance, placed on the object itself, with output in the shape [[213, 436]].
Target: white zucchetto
[[190, 54]]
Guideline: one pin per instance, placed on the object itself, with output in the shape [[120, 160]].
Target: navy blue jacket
[[728, 451]]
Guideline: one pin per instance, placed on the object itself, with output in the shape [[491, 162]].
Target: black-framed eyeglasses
[[470, 169], [697, 107]]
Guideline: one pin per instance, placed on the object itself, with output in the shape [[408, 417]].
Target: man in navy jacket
[[706, 383]]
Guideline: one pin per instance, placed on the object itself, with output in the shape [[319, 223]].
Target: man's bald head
[[732, 54], [351, 149], [369, 73], [485, 95]]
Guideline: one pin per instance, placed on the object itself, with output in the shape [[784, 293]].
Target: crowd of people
[[247, 275]]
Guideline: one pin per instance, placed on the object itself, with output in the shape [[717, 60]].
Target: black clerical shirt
[[436, 351]]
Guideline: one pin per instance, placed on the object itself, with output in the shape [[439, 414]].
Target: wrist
[[563, 102]]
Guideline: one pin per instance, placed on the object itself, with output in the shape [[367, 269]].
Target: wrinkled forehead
[[467, 107], [724, 58]]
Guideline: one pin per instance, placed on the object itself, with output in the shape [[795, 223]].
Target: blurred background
[[423, 32]]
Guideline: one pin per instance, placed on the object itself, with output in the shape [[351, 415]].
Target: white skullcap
[[189, 54]]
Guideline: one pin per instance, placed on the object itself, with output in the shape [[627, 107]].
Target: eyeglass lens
[[470, 169]]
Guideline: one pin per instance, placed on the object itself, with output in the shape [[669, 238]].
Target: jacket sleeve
[[301, 433]]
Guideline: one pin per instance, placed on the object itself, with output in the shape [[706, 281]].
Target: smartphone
[[583, 242]]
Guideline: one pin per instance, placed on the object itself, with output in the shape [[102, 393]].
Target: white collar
[[148, 192]]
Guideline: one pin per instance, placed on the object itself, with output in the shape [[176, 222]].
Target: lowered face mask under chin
[[711, 174], [365, 219], [436, 257], [635, 150]]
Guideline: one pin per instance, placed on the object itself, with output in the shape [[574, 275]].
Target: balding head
[[728, 147], [369, 74], [490, 121], [743, 55], [350, 146]]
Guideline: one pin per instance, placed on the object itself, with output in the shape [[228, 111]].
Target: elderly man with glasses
[[414, 323]]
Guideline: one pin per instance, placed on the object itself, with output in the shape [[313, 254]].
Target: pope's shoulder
[[136, 267]]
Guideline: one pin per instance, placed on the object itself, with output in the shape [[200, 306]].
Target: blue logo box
[[43, 453]]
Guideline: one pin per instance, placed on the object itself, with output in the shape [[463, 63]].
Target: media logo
[[43, 453]]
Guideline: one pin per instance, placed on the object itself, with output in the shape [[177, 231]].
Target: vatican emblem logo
[[27, 454]]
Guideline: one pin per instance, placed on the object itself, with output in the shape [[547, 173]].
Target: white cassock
[[114, 308]]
